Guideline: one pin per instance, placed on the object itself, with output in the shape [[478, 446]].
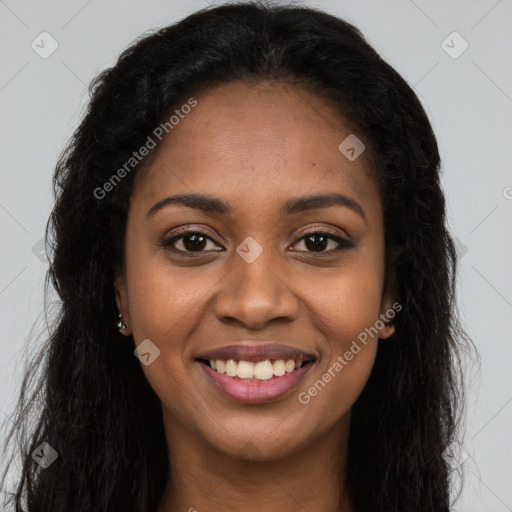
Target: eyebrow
[[294, 205]]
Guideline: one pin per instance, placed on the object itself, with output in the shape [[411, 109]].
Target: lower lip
[[256, 392]]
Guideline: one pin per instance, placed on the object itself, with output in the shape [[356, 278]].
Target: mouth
[[250, 371], [254, 374]]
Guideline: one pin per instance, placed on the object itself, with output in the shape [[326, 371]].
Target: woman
[[257, 282]]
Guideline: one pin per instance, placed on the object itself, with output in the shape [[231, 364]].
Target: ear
[[389, 308], [387, 313], [122, 299]]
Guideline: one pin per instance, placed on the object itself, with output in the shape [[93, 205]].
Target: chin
[[258, 446]]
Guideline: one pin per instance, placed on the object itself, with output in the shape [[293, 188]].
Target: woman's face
[[248, 284]]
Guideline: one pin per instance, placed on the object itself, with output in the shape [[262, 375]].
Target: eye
[[193, 242], [318, 240], [189, 242]]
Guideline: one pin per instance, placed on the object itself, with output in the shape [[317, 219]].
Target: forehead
[[259, 141]]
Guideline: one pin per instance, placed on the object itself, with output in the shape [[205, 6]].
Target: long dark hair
[[92, 402]]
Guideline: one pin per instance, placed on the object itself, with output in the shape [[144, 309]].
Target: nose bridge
[[254, 292]]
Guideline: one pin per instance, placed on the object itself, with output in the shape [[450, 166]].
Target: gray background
[[468, 99]]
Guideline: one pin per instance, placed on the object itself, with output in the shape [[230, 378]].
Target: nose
[[253, 294]]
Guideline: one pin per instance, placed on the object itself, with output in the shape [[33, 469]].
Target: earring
[[121, 325]]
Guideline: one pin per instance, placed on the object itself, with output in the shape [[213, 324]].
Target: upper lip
[[257, 352]]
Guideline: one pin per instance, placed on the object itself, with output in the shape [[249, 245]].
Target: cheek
[[348, 300], [348, 307], [337, 387], [163, 306], [163, 303], [163, 299], [348, 318]]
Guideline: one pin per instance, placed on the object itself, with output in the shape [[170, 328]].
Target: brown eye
[[319, 241], [188, 242], [194, 242]]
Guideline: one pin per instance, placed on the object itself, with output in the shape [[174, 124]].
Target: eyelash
[[167, 242]]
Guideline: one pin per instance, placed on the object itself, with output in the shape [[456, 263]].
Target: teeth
[[262, 370], [231, 367], [221, 366], [289, 366], [245, 370], [279, 368]]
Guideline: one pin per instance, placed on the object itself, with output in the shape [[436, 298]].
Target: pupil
[[193, 242], [322, 244]]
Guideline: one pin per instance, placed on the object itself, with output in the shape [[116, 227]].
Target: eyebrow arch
[[292, 206], [318, 201], [203, 202]]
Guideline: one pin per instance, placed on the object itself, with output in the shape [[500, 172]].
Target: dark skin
[[254, 147]]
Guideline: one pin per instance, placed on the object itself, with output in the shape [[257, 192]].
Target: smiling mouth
[[249, 371]]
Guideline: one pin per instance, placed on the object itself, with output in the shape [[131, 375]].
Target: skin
[[255, 146]]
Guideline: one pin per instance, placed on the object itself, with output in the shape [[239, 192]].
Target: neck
[[202, 478]]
